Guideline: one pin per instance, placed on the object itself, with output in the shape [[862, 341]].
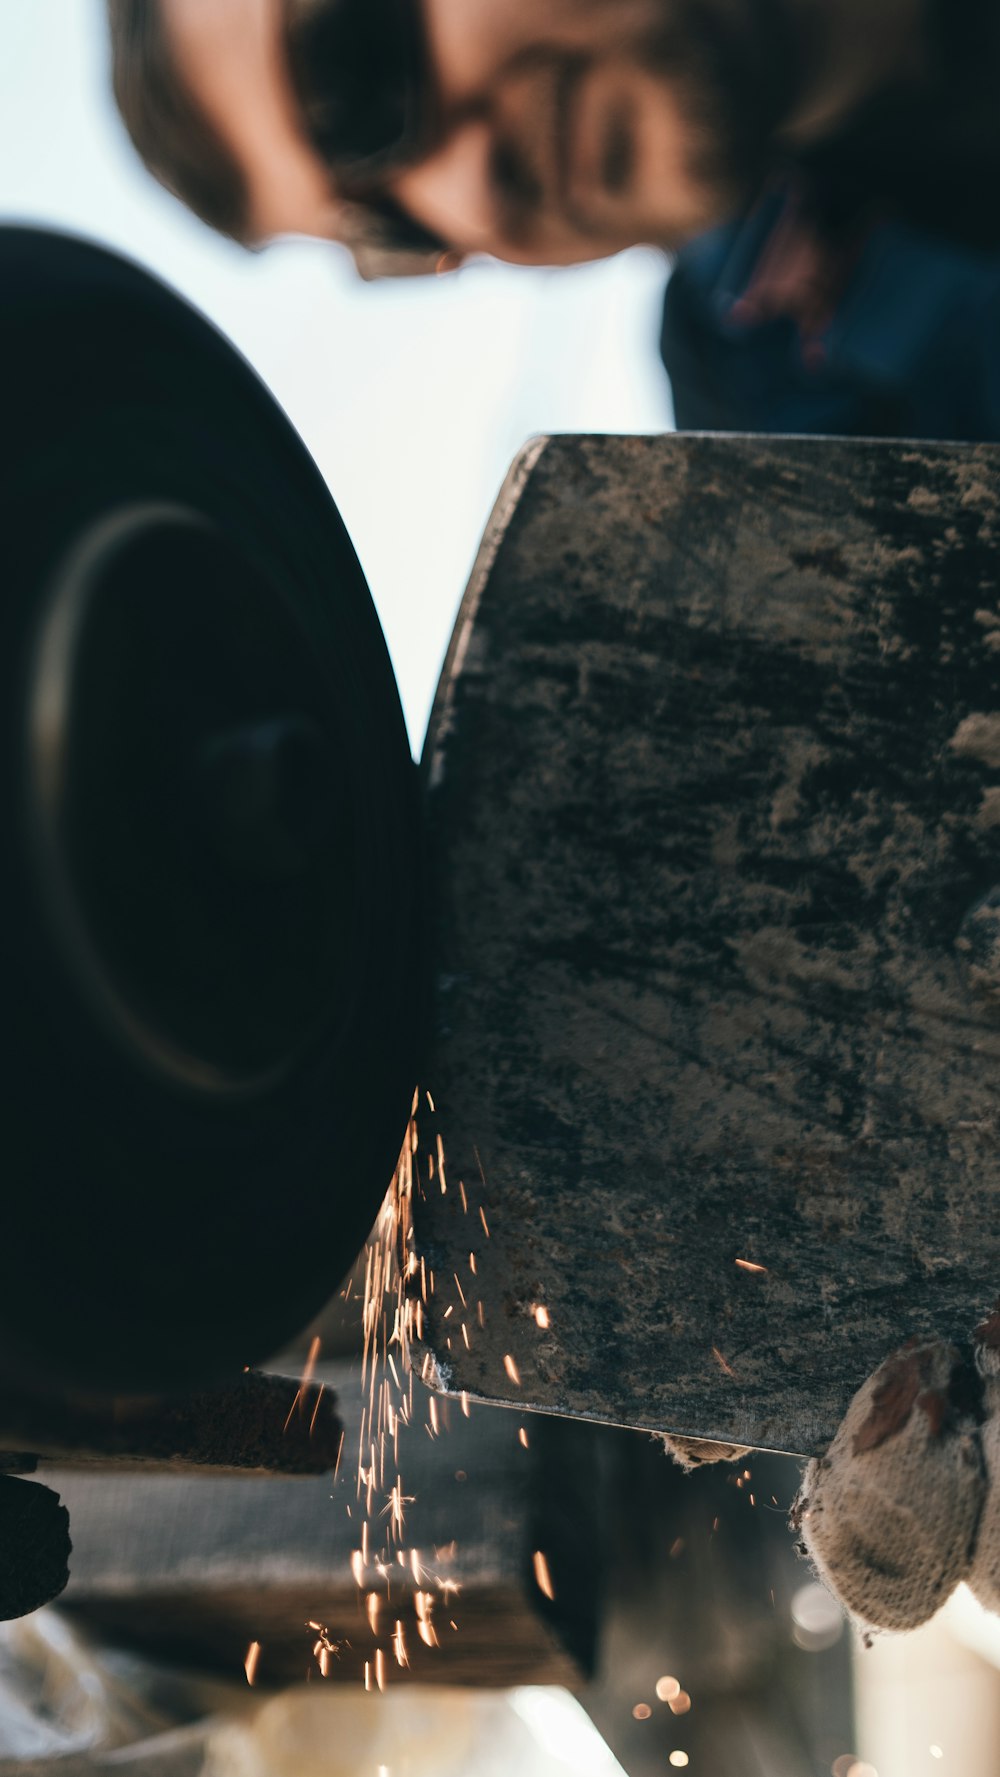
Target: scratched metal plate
[[713, 781]]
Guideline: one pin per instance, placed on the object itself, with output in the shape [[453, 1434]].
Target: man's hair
[[172, 137]]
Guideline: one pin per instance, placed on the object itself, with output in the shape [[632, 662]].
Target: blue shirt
[[912, 351]]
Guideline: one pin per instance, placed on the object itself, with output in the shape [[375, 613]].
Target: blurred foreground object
[[34, 1546], [539, 1732], [209, 948], [74, 1708], [208, 917]]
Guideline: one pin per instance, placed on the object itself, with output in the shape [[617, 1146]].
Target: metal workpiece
[[713, 811]]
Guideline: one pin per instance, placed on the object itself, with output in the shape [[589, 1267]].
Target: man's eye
[[357, 67], [512, 175]]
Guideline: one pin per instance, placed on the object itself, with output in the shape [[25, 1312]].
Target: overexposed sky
[[413, 395]]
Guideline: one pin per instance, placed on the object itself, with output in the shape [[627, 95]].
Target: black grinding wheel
[[209, 900]]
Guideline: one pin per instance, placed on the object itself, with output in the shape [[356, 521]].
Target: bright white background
[[413, 396]]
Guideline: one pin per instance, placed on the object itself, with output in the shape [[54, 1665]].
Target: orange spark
[[542, 1317], [250, 1663], [512, 1370], [312, 1422], [310, 1363], [748, 1265], [720, 1360], [395, 1510], [543, 1579]]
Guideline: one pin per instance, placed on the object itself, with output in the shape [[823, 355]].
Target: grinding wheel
[[209, 904]]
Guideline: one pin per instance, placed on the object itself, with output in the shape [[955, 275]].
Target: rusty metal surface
[[713, 785]]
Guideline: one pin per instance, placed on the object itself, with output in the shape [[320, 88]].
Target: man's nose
[[451, 190]]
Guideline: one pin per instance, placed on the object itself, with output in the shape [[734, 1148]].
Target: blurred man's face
[[571, 128], [540, 131]]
